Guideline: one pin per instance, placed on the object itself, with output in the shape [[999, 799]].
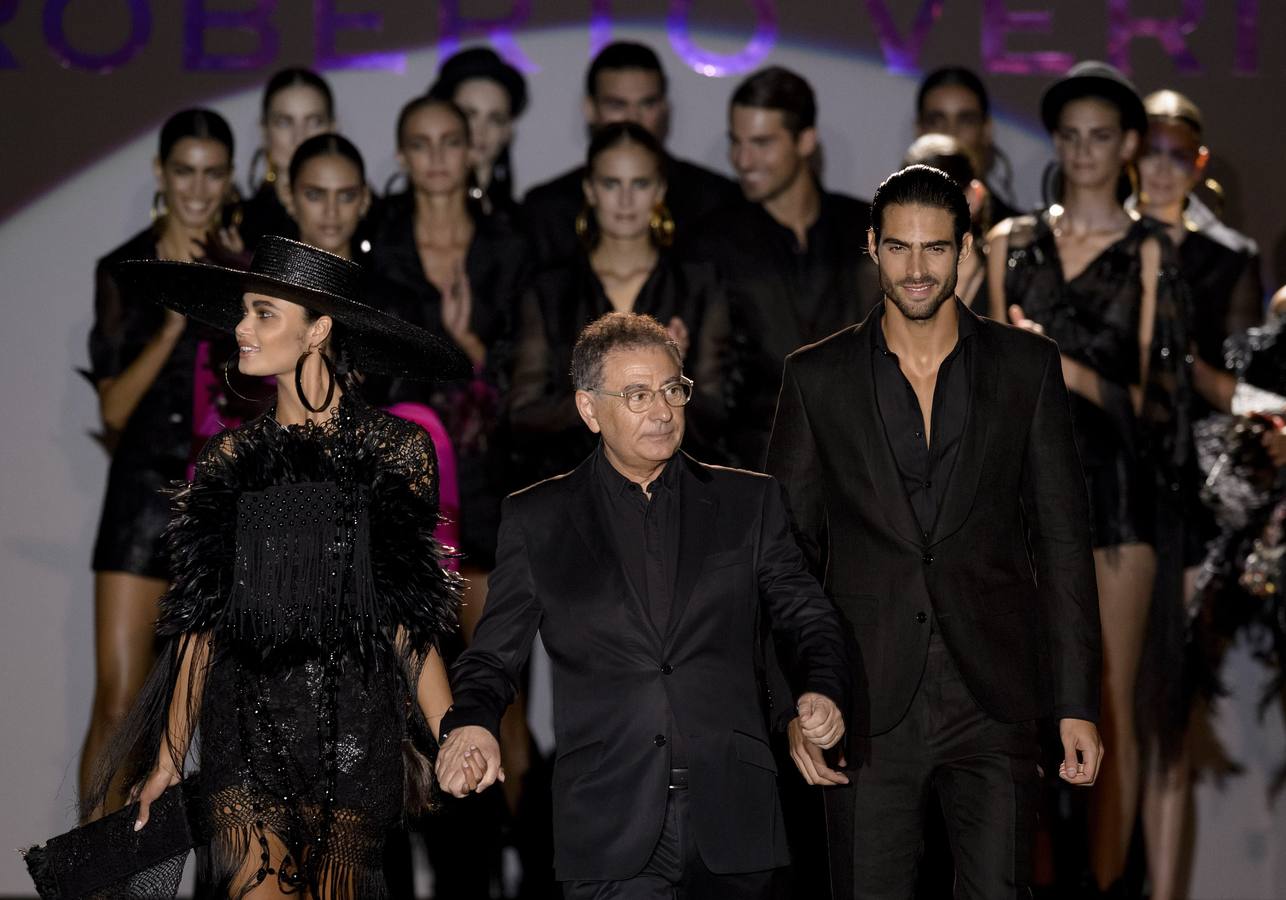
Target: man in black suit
[[625, 83], [647, 574], [932, 475], [791, 255]]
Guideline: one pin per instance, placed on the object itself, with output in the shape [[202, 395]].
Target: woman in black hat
[[492, 94], [159, 387], [308, 596], [1105, 286]]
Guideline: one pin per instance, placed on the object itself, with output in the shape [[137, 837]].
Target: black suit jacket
[[617, 681], [1007, 572]]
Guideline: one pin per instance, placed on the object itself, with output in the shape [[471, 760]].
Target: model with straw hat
[[301, 628]]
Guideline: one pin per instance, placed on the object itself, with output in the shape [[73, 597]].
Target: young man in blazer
[[645, 573], [928, 460]]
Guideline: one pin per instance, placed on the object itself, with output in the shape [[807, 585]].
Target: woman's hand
[[152, 788], [457, 316]]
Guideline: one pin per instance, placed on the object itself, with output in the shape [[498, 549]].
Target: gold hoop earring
[[582, 226], [270, 174], [159, 209], [661, 225]]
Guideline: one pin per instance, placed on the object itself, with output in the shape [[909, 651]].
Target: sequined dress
[[307, 575]]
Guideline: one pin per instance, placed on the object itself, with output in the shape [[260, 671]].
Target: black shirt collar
[[967, 325], [618, 485]]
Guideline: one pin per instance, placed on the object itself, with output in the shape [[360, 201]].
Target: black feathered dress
[[308, 593]]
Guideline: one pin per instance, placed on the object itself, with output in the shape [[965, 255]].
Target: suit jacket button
[[667, 669], [921, 618], [659, 740]]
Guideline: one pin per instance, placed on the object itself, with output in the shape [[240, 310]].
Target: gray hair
[[614, 331]]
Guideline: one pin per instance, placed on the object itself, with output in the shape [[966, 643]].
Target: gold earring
[[582, 224], [270, 174], [661, 225], [159, 208]]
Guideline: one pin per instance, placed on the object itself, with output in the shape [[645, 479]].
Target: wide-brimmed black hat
[[1094, 79], [481, 62], [376, 342]]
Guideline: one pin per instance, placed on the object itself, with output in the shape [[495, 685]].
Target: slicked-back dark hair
[[921, 185], [204, 124], [297, 76], [614, 331], [783, 90], [953, 76], [623, 55], [427, 101], [329, 144]]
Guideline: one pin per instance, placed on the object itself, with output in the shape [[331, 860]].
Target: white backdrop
[[52, 473]]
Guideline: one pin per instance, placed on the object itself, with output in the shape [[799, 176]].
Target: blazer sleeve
[[805, 624], [485, 678], [792, 460], [1056, 509]]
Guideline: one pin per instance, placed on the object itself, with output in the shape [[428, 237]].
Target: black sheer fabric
[[1244, 575], [1127, 459], [1137, 466], [496, 264], [157, 445], [307, 595], [549, 437]]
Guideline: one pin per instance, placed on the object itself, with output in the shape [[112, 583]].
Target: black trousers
[[675, 870], [984, 773]]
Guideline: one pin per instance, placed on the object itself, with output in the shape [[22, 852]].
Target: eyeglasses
[[638, 400]]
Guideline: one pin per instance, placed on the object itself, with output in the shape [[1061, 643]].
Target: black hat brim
[[377, 342], [1134, 117]]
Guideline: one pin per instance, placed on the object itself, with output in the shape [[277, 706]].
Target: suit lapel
[[587, 517], [962, 484], [698, 511], [868, 426]]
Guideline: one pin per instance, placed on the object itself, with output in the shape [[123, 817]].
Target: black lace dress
[[308, 593]]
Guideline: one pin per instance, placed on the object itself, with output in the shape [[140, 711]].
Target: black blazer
[[617, 681], [1022, 626]]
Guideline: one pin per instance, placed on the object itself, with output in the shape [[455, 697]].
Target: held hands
[[469, 761], [818, 727], [152, 788], [1082, 751]]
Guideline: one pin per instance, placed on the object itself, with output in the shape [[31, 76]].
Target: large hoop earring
[[299, 382], [158, 206], [582, 225], [227, 380], [661, 225]]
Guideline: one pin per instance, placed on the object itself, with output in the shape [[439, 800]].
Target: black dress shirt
[[782, 295], [925, 468], [646, 535]]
